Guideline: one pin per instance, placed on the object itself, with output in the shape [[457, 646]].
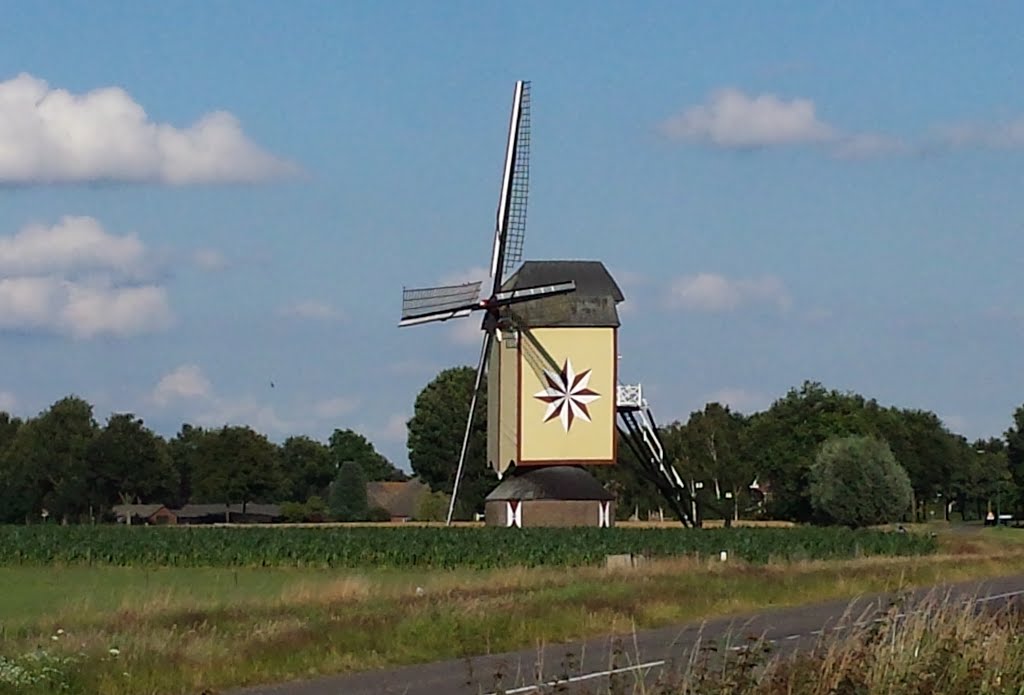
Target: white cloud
[[1006, 135], [73, 244], [313, 311], [245, 411], [186, 382], [50, 135], [187, 390], [333, 408], [82, 309], [209, 259], [732, 119], [711, 292], [77, 279], [8, 402], [739, 399]]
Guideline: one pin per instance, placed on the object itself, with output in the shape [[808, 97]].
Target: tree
[[855, 481], [8, 429], [348, 499], [1015, 454], [236, 465], [183, 450], [347, 445], [45, 463], [308, 467], [714, 442], [435, 438], [127, 462], [785, 439]]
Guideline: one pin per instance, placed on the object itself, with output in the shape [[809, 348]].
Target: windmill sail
[[510, 228], [439, 303]]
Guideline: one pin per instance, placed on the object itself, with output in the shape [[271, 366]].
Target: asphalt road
[[587, 666]]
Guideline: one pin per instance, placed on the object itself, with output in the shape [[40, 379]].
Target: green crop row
[[367, 547]]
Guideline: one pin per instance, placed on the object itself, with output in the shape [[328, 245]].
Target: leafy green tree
[[348, 499], [855, 481], [127, 462], [928, 451], [236, 465], [308, 467], [784, 440], [715, 441], [347, 445], [184, 450], [1015, 456], [8, 429], [46, 463], [435, 438]]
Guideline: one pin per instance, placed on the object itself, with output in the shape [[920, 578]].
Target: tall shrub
[[856, 481], [348, 500]]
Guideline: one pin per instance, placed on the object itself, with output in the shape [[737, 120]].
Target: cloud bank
[[731, 119], [75, 278], [50, 135]]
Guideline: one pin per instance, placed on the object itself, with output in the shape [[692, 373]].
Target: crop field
[[430, 547]]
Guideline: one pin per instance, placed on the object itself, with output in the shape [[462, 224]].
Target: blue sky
[[202, 198]]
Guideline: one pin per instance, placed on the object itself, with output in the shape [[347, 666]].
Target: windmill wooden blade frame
[[510, 225], [441, 303]]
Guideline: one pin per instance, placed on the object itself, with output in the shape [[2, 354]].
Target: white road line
[[661, 662], [581, 677]]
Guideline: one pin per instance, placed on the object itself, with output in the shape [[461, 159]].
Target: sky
[[209, 209]]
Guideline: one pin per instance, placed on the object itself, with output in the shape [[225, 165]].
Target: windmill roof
[[592, 304], [550, 483]]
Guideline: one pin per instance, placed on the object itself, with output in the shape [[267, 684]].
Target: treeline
[[761, 464], [64, 465]]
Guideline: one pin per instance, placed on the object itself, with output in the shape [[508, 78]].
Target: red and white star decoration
[[567, 395]]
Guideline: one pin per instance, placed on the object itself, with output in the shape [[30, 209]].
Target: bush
[[856, 481], [293, 512]]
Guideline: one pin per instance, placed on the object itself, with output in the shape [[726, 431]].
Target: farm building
[[550, 496], [150, 514], [400, 499], [250, 513]]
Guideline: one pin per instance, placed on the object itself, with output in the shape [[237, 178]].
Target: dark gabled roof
[[592, 304], [400, 499], [194, 511], [550, 483]]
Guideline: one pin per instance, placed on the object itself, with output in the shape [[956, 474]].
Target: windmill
[[453, 301], [550, 353]]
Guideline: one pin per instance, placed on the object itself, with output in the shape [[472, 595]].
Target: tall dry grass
[[937, 646]]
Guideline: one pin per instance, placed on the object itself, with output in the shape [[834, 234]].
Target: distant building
[[400, 500], [222, 513], [145, 514]]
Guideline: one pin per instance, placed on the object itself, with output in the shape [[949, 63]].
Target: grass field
[[183, 630]]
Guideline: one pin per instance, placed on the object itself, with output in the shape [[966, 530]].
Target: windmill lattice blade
[[485, 351], [512, 188], [515, 232], [439, 303]]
